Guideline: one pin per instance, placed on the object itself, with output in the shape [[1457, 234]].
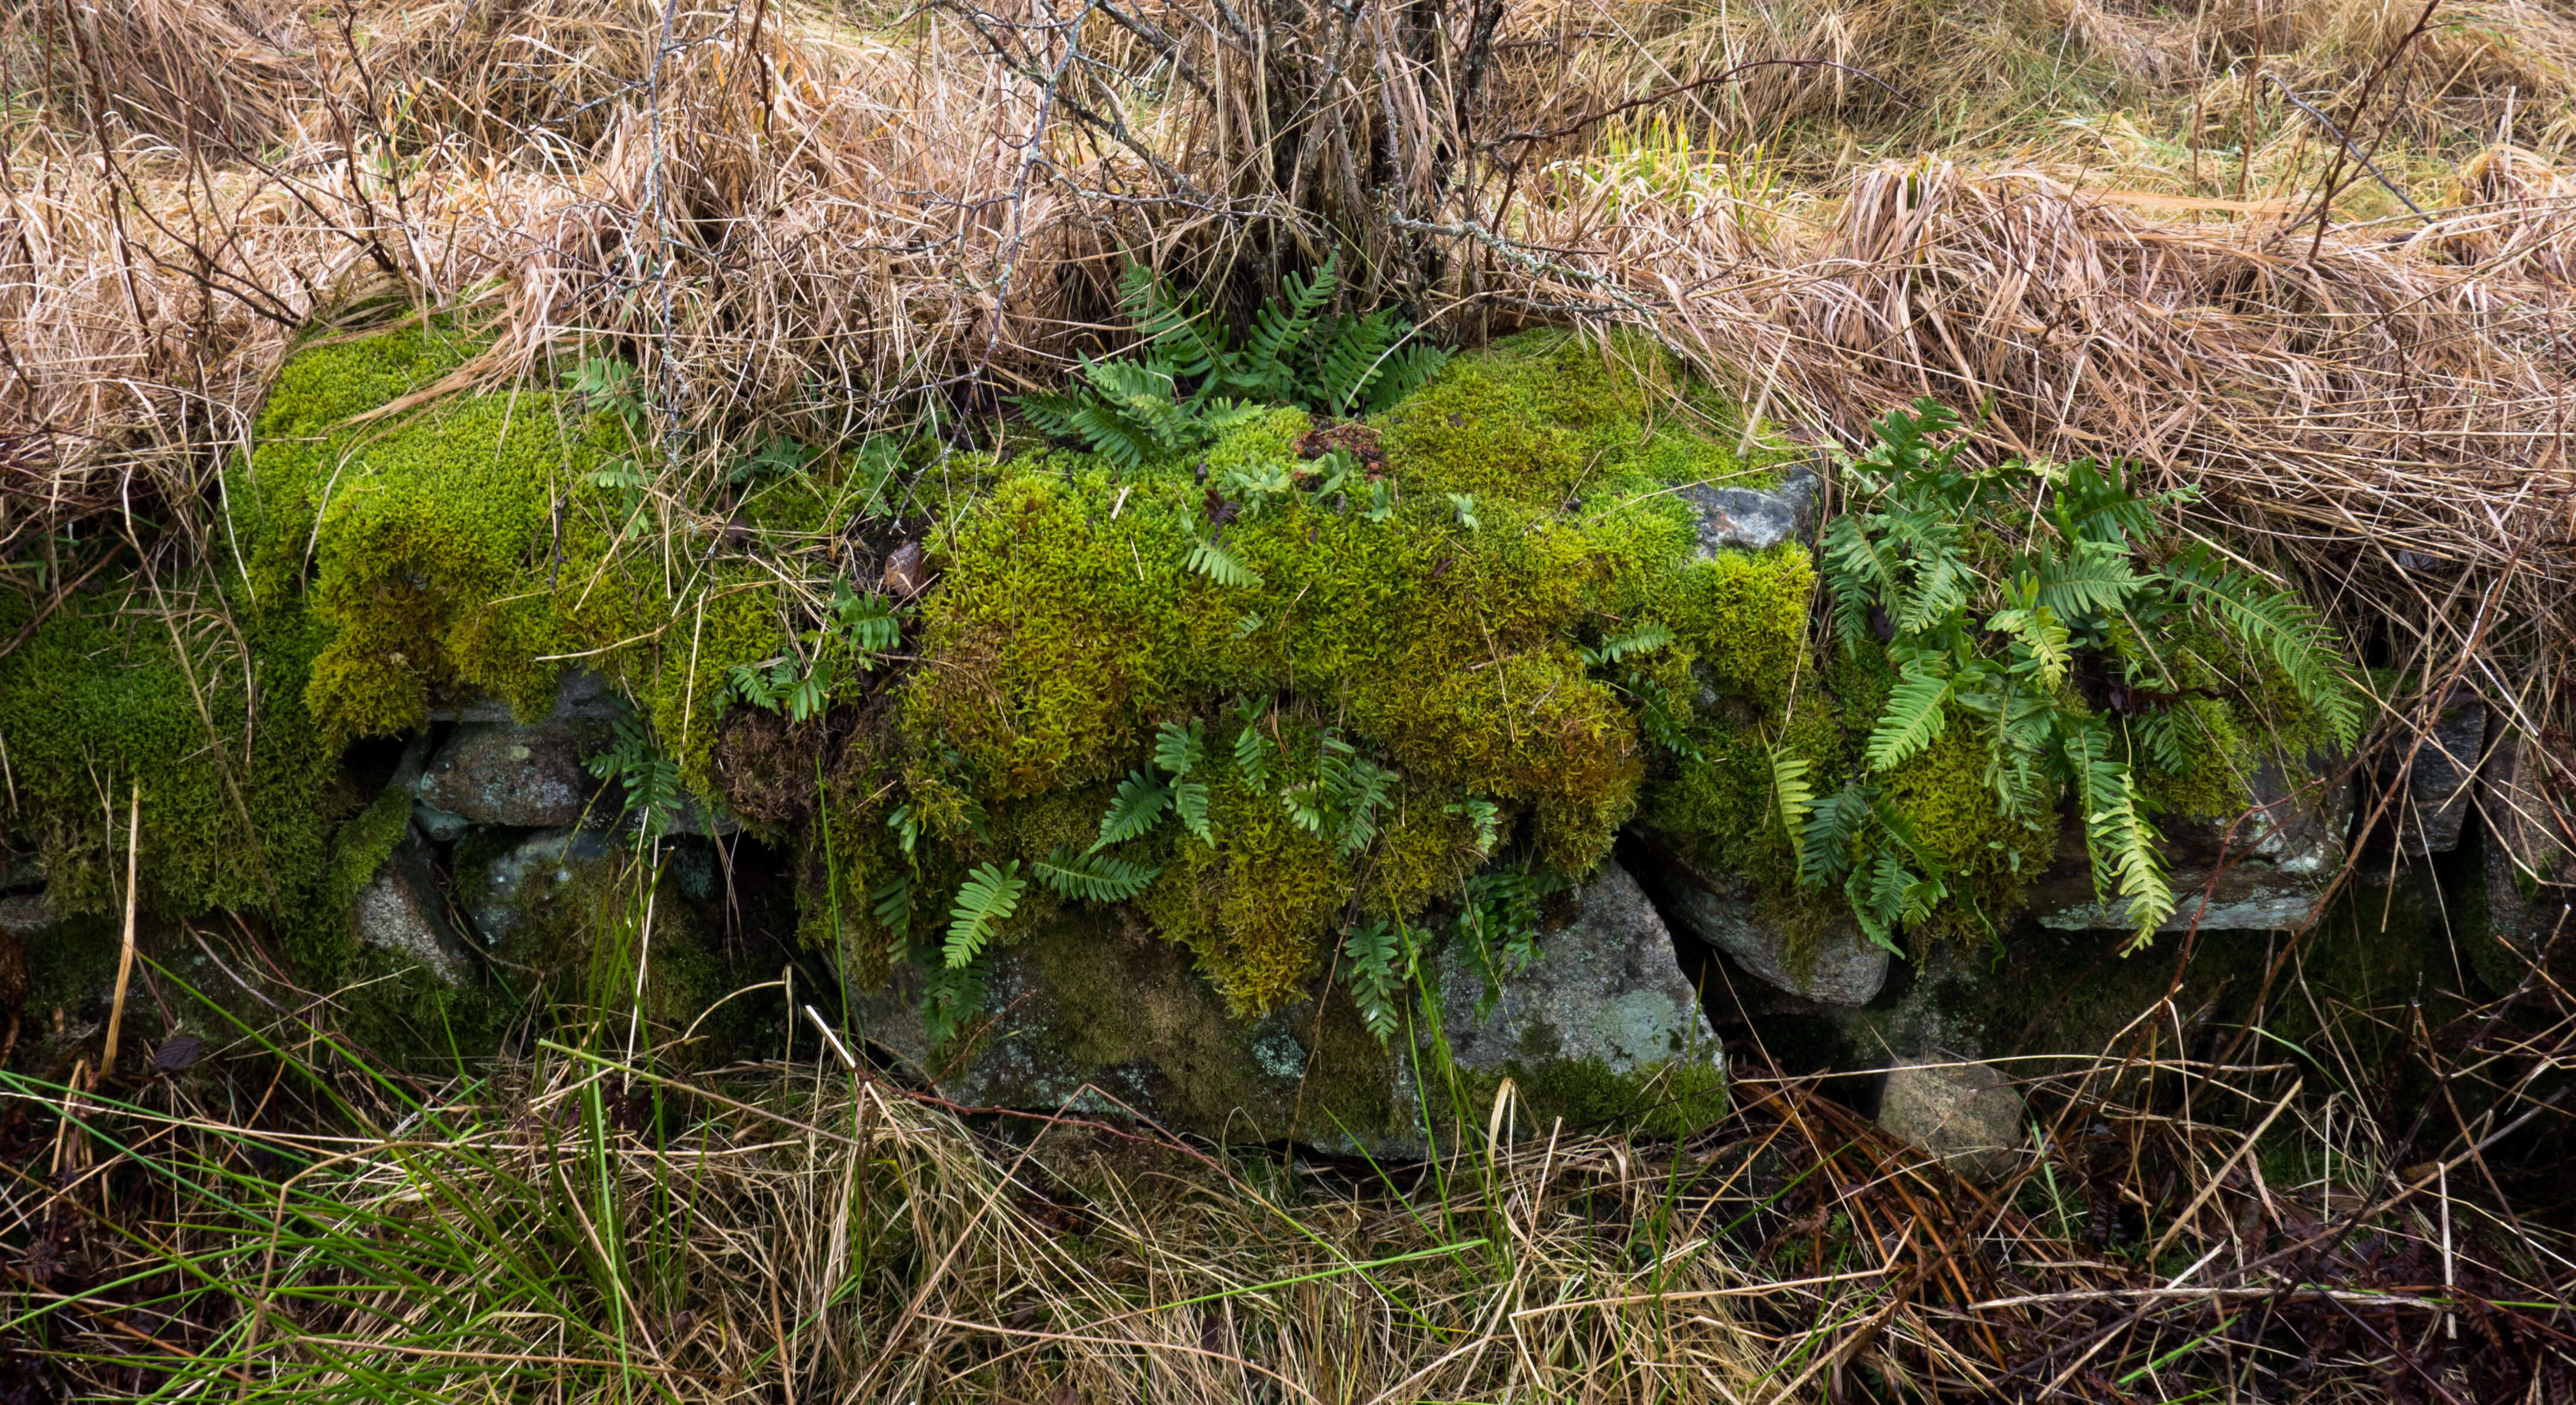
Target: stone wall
[[1537, 617]]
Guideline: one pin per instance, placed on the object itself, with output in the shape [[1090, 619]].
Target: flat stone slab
[[1840, 967], [1607, 986], [2441, 783], [501, 895], [2272, 863], [401, 911], [500, 773]]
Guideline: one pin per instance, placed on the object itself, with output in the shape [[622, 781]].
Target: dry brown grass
[[2187, 1215], [790, 215]]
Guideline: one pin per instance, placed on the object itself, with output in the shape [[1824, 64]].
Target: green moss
[[198, 705], [1533, 419], [365, 842], [461, 545], [1717, 806], [1744, 615], [1665, 1098], [1124, 1001], [1058, 624], [1990, 855]]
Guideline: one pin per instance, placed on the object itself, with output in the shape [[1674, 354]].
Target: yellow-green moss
[[199, 705], [462, 547], [1990, 855]]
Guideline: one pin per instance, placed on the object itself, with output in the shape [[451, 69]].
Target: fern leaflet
[[1914, 719], [1212, 560], [988, 898], [1140, 803], [1374, 968], [1098, 878], [1794, 800]]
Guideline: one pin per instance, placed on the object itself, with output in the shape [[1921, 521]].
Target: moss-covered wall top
[[1293, 684]]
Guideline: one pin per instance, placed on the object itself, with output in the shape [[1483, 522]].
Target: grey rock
[[441, 826], [580, 696], [21, 871], [1841, 967], [2441, 783], [499, 897], [2526, 800], [400, 911], [1605, 987], [500, 773], [1967, 1114], [2274, 861], [1090, 1017], [1754, 519]]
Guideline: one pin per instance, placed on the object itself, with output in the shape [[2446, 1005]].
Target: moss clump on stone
[[1434, 616], [1445, 619], [472, 543], [199, 704]]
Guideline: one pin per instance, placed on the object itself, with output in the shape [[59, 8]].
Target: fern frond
[[1373, 967], [1933, 582], [2117, 837], [1793, 799], [891, 903], [1834, 824], [987, 899], [949, 995], [1052, 413], [1348, 356], [1251, 747], [2093, 504], [1110, 434], [2159, 735], [2017, 750], [1098, 878], [1178, 748], [1264, 368], [1485, 815], [1190, 803], [1406, 369], [2045, 640], [2094, 578], [1914, 719], [2136, 861], [1140, 802], [2274, 623], [1855, 571], [1644, 639], [1170, 330], [1212, 560]]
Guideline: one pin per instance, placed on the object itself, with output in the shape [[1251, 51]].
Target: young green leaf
[[1214, 561], [1140, 802], [988, 898], [1099, 878]]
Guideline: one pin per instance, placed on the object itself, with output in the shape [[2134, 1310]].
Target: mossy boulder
[[1602, 1030]]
